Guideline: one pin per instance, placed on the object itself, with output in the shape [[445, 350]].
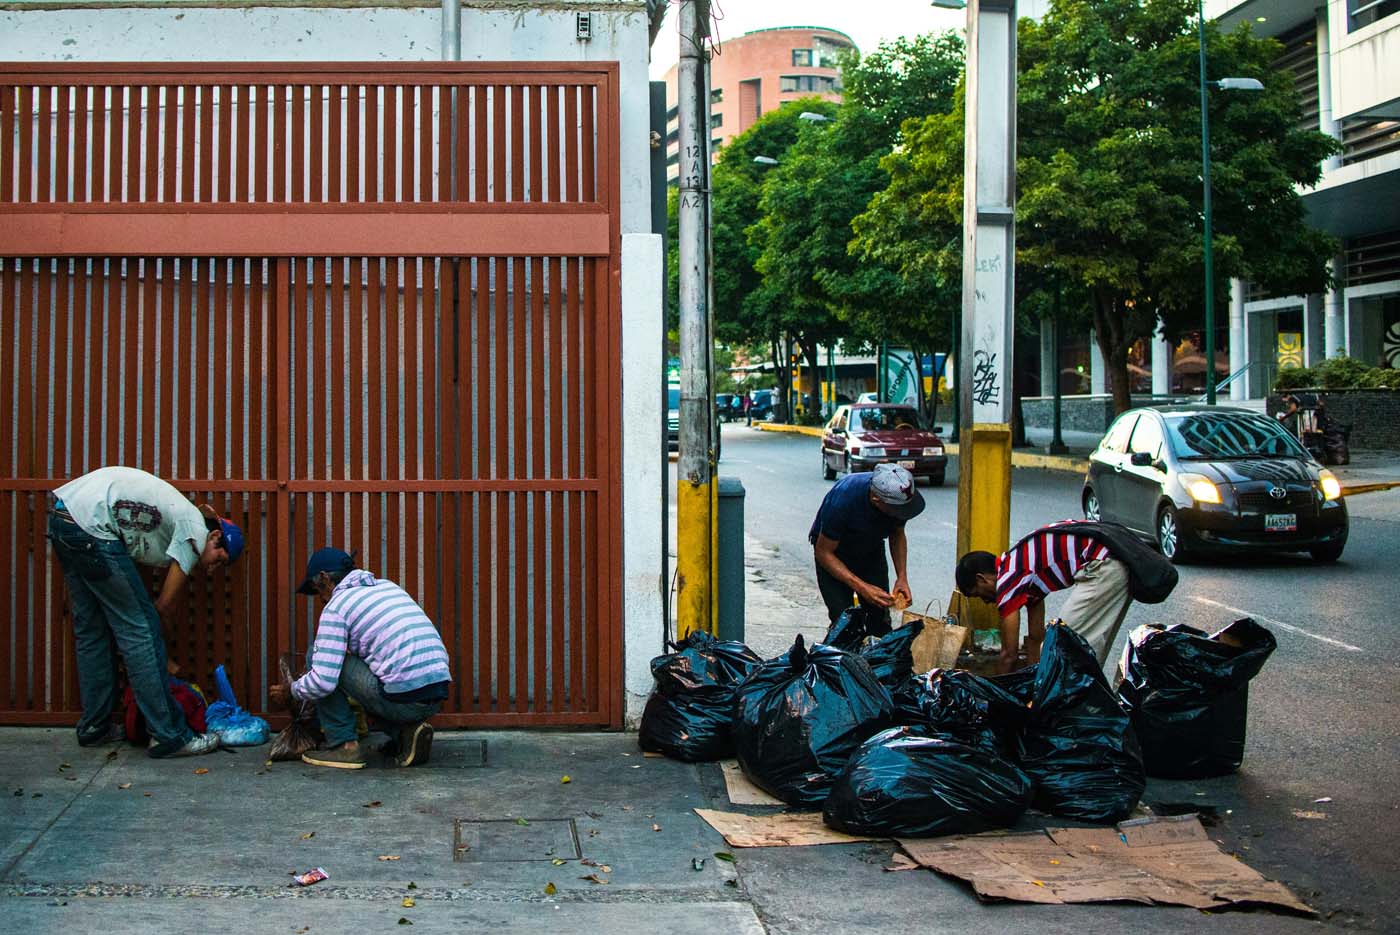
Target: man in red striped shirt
[[1049, 560]]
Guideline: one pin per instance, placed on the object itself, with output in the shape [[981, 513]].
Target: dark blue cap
[[332, 561]]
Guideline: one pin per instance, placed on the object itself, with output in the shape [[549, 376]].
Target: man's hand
[[902, 595], [279, 696], [873, 596]]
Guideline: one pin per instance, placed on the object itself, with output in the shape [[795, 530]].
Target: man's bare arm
[[826, 557]]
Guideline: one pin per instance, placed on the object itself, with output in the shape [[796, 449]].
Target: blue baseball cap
[[233, 539], [332, 561]]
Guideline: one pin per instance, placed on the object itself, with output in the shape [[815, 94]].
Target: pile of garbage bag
[[866, 630], [914, 781], [1078, 743], [690, 714], [972, 708], [799, 717], [235, 726], [1188, 694]]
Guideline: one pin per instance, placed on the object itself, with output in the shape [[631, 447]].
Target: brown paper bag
[[937, 647]]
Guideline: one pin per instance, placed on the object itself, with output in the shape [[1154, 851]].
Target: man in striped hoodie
[[376, 645]]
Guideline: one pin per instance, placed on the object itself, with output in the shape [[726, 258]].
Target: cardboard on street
[[741, 791], [1152, 860], [789, 829]]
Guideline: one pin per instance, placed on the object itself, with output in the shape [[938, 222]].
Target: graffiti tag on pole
[[986, 382]]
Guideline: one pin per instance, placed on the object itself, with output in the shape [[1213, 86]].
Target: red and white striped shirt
[[1041, 564]]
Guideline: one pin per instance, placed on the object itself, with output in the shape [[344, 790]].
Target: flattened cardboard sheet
[[789, 829], [1166, 861], [741, 791]]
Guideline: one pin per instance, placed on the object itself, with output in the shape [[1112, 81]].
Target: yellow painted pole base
[[695, 538], [984, 504]]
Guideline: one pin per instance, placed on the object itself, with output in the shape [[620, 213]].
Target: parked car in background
[[862, 435], [1197, 479], [761, 404], [729, 406]]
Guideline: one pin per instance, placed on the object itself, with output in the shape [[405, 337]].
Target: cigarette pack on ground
[[310, 877]]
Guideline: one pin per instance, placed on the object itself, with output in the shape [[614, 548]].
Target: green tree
[[1109, 167]]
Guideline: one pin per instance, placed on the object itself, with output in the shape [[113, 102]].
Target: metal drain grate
[[457, 754], [505, 840]]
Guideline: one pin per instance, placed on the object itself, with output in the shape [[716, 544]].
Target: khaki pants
[[1097, 604]]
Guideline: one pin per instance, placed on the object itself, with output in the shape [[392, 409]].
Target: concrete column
[[1047, 357], [1239, 349], [1161, 365], [1313, 347], [1325, 121], [1334, 330], [1098, 371]]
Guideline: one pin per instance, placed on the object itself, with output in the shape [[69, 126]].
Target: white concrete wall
[[1365, 73], [510, 32]]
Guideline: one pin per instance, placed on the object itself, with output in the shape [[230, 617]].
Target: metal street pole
[[1057, 444], [1205, 210], [695, 529], [988, 287]]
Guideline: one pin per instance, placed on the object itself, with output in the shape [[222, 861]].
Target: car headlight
[[929, 452], [1201, 489], [874, 452], [1331, 487]]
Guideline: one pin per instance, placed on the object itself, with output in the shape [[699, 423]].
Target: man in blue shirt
[[848, 538]]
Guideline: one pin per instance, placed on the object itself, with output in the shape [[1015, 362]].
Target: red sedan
[[860, 436]]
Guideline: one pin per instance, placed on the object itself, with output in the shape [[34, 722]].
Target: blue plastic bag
[[235, 727]]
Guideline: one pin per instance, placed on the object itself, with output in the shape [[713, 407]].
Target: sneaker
[[339, 758], [415, 743], [116, 733], [198, 745]]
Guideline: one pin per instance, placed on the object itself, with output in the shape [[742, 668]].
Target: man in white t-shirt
[[102, 526]]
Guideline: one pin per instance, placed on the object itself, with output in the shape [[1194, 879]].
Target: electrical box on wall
[[583, 26]]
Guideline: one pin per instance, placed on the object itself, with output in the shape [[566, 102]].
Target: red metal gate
[[374, 307]]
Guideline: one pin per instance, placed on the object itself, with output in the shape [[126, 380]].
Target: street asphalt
[[1322, 721]]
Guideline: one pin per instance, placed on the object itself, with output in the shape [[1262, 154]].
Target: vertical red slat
[[278, 135], [62, 372], [393, 374], [336, 387], [64, 133], [206, 143], [8, 116], [535, 191], [150, 149], [44, 135], [81, 144], [44, 452], [390, 136], [223, 186], [241, 373], [372, 142], [424, 191], [10, 507], [201, 320], [165, 418], [117, 125], [259, 418], [281, 412], [353, 143], [133, 144], [571, 142], [538, 615], [298, 132], [444, 98], [189, 111], [411, 369], [498, 143], [355, 405], [479, 113], [557, 623], [316, 163], [258, 151], [170, 133], [517, 142], [318, 386], [146, 313], [111, 426], [221, 325], [21, 583], [373, 374], [243, 156], [589, 142], [519, 467], [131, 368], [41, 428], [335, 186], [407, 140], [24, 113], [501, 467], [482, 445]]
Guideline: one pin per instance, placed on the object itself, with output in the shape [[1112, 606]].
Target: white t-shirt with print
[[154, 520]]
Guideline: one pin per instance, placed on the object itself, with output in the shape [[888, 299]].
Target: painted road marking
[[1280, 624]]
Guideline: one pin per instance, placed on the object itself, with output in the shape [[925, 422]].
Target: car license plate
[[907, 465], [1281, 522]]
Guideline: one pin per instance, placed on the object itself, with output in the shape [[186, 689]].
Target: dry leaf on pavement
[[550, 889], [125, 785], [201, 771], [1314, 816], [375, 804], [388, 856], [308, 836], [655, 827], [594, 878], [565, 780], [407, 902], [558, 861]]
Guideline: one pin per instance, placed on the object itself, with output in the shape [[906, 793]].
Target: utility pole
[[988, 293], [695, 497]]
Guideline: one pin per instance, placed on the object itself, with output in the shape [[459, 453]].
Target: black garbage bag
[[972, 708], [690, 715], [914, 782], [1188, 694], [855, 625], [891, 657], [799, 717], [1078, 744]]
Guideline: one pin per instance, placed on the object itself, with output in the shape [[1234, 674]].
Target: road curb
[[1352, 490], [812, 430], [1035, 459]]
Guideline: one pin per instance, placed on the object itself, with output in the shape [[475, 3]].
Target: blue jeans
[[359, 683], [112, 613]]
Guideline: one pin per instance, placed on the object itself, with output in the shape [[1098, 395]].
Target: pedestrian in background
[[102, 526]]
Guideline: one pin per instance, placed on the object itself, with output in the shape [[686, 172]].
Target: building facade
[[1343, 58], [758, 72]]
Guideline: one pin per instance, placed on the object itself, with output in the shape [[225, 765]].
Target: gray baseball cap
[[894, 487]]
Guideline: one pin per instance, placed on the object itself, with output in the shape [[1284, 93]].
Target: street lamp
[[1224, 84], [811, 117], [765, 160]]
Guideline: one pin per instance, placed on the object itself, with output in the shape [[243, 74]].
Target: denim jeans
[[112, 613], [359, 683], [870, 568]]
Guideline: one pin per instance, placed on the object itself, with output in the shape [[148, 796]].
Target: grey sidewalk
[[178, 851]]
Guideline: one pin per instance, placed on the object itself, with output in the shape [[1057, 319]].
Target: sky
[[867, 22]]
